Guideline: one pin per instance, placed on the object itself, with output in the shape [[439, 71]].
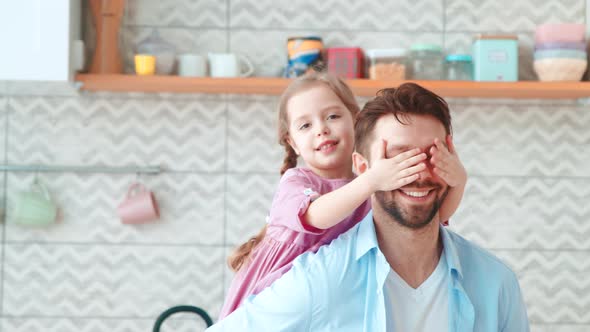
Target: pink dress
[[286, 236]]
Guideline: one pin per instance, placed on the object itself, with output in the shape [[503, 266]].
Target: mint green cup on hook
[[35, 207]]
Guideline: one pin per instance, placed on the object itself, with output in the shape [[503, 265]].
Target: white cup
[[229, 65], [192, 65]]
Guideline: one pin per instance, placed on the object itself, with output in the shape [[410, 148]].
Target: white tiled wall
[[526, 198]]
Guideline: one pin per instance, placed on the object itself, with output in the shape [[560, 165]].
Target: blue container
[[495, 58]]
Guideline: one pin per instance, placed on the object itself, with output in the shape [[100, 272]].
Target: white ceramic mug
[[192, 65], [229, 65]]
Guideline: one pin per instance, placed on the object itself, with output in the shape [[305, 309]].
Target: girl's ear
[[290, 142], [360, 163]]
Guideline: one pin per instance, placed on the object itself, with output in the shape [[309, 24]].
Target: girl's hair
[[237, 259], [311, 79]]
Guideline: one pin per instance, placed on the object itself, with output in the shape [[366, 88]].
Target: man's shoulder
[[340, 250], [474, 258]]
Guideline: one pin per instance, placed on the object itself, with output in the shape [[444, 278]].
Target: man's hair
[[407, 99]]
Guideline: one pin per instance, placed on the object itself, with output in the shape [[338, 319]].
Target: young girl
[[314, 205]]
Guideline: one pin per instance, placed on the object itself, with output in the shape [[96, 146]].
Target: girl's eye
[[304, 126], [333, 116]]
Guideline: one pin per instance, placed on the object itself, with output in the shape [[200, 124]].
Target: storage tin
[[495, 58]]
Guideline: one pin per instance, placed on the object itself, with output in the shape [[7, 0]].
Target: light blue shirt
[[340, 288]]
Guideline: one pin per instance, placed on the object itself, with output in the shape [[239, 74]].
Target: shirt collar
[[367, 240], [451, 252]]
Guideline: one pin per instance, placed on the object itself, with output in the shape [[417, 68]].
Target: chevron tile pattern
[[3, 88], [191, 209], [184, 40], [252, 138], [228, 274], [507, 16], [270, 57], [526, 213], [3, 129], [183, 13], [40, 324], [34, 88], [526, 200], [498, 140], [554, 284], [462, 42], [3, 126], [248, 203], [85, 281], [338, 15], [179, 135]]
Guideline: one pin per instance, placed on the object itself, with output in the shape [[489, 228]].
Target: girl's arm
[[451, 202], [449, 168], [386, 174]]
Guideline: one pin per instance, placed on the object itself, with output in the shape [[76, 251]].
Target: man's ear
[[290, 142], [360, 163]]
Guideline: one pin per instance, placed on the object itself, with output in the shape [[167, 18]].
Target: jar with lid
[[458, 67], [427, 62], [164, 52], [386, 64]]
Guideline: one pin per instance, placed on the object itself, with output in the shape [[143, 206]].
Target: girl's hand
[[446, 163], [392, 173]]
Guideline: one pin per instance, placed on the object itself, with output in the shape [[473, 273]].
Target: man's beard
[[412, 217]]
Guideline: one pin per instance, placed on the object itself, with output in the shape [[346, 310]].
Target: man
[[398, 269]]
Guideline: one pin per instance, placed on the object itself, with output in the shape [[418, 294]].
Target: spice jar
[[458, 67], [427, 62], [386, 64]]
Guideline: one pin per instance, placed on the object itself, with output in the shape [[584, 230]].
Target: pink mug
[[139, 206]]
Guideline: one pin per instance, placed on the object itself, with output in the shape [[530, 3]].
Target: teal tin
[[495, 58]]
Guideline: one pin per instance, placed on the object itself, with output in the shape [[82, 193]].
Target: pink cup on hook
[[139, 206]]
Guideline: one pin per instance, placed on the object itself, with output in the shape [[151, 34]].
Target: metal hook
[[36, 176]]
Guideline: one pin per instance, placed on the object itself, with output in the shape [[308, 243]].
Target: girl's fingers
[[440, 162], [405, 155], [380, 150], [451, 144], [441, 173], [441, 147], [412, 170], [412, 160], [407, 180]]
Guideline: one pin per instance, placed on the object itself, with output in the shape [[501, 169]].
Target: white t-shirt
[[423, 309]]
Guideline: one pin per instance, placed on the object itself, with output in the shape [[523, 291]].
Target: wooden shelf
[[361, 87]]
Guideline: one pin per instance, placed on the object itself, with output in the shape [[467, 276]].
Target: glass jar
[[386, 64], [427, 62], [164, 52], [459, 67]]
